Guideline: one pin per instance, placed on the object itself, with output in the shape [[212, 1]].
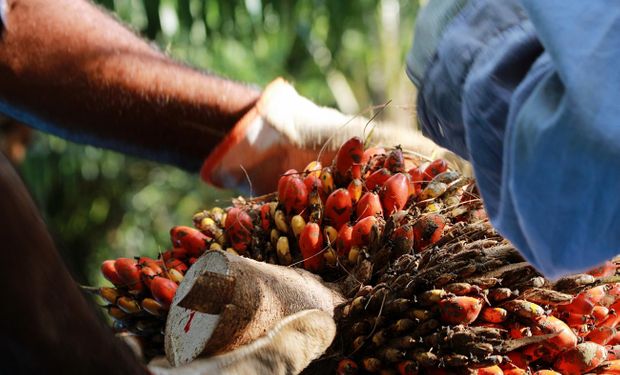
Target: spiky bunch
[[432, 288]]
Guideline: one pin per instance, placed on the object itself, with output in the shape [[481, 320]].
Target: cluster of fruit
[[328, 218], [144, 288], [473, 306], [432, 288]]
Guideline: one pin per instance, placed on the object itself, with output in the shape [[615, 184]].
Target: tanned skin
[[68, 67]]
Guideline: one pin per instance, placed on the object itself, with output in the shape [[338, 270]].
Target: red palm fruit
[[163, 290], [395, 193], [601, 335], [369, 205], [427, 230], [580, 359], [347, 367], [494, 314], [192, 260], [310, 244], [460, 309], [238, 228], [611, 320], [146, 275], [599, 313], [109, 272], [605, 270], [129, 273], [490, 370], [407, 368], [433, 169], [573, 319], [284, 178], [338, 207], [347, 163], [355, 188], [176, 264], [362, 230], [344, 240], [395, 162], [155, 265], [546, 372], [180, 253], [377, 179], [566, 338], [293, 195], [190, 239], [265, 217], [585, 301], [417, 178]]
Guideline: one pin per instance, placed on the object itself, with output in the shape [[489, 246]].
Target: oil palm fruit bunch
[[431, 287]]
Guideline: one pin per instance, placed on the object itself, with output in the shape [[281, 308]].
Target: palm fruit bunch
[[431, 287], [328, 219], [471, 305], [144, 288]]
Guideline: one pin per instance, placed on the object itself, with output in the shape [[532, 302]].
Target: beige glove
[[285, 130], [287, 349]]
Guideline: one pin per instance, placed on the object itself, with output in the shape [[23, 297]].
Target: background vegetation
[[348, 54]]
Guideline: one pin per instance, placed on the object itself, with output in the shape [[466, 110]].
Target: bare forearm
[[68, 68]]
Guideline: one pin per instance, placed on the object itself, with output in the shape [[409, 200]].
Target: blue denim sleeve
[[528, 91]]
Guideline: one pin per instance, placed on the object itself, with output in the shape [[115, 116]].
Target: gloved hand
[[285, 130]]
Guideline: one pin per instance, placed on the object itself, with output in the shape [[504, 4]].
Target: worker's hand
[[285, 130], [286, 349]]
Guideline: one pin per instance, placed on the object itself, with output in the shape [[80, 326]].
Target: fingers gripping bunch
[[431, 287]]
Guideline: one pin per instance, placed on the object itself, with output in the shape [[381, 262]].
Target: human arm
[[526, 91], [68, 68]]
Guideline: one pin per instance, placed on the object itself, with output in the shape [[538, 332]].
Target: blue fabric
[[528, 90]]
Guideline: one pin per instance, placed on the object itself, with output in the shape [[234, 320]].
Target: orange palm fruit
[[460, 309], [347, 163], [238, 228], [108, 269], [580, 359], [338, 208], [310, 244], [377, 179], [394, 193], [190, 239], [163, 290]]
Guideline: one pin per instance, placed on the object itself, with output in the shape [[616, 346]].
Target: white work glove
[[285, 130], [286, 349]]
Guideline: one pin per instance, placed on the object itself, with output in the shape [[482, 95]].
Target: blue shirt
[[529, 92]]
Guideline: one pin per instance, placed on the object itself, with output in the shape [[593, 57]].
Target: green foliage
[[100, 204]]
